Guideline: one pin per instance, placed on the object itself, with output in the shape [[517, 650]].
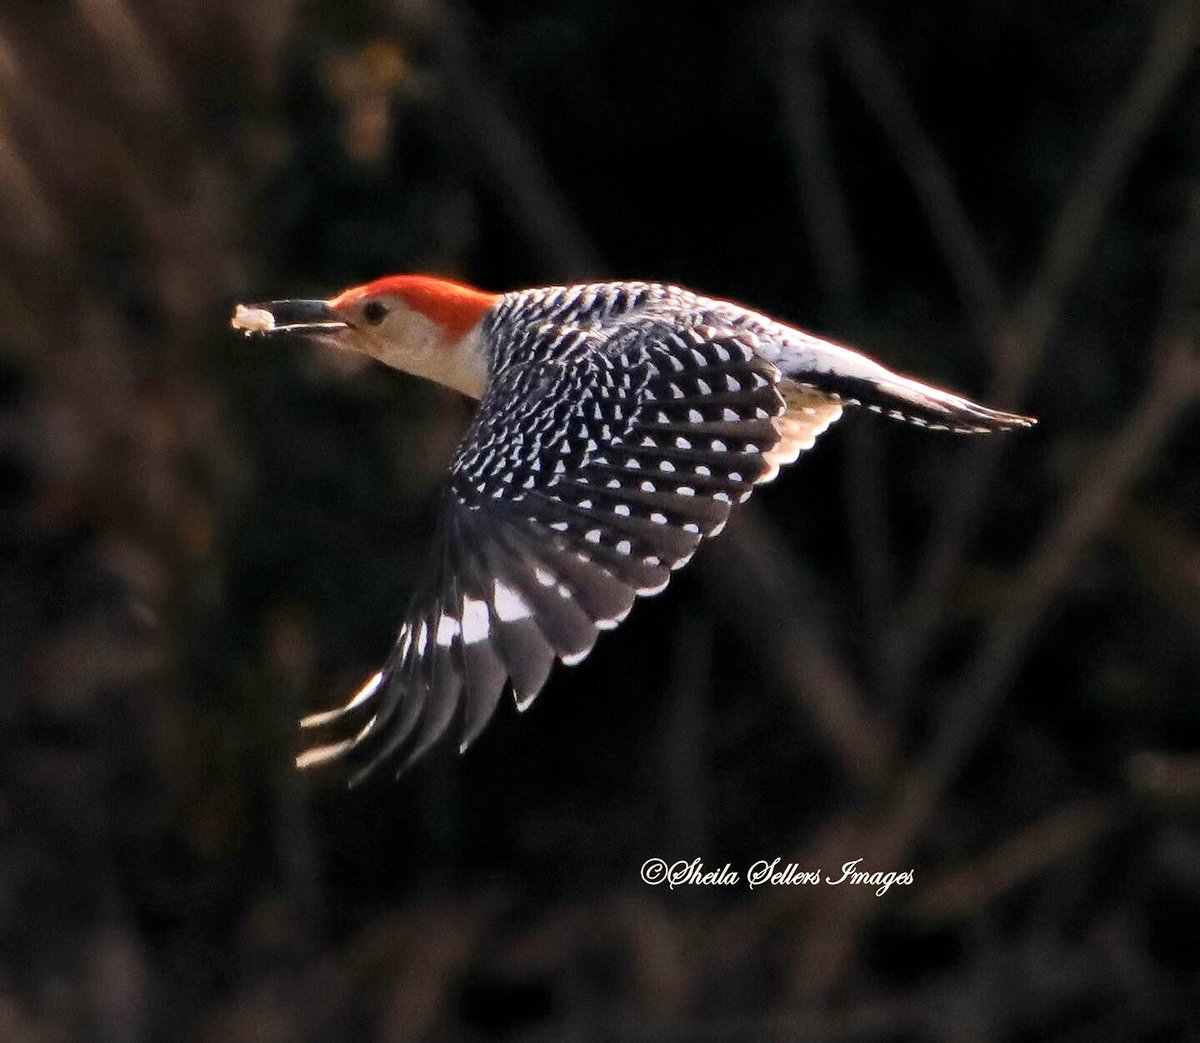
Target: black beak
[[287, 317]]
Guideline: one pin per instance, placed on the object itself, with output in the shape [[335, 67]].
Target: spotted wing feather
[[586, 478]]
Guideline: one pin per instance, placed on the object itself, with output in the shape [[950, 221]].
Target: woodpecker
[[618, 425]]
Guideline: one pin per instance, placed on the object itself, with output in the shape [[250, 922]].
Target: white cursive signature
[[695, 873]]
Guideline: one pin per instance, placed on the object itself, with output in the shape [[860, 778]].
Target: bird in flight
[[618, 425]]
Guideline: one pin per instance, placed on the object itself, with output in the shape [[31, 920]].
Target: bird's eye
[[374, 312]]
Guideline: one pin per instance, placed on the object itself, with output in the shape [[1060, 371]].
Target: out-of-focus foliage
[[979, 662]]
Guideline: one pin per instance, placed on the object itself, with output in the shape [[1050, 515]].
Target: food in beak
[[252, 320], [296, 316]]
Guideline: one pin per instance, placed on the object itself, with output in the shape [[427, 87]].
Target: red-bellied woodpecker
[[618, 426]]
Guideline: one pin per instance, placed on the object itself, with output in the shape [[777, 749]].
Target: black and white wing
[[587, 476]]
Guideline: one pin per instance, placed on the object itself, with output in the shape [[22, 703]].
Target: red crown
[[453, 306]]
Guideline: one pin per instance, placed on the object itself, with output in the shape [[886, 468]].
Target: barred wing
[[587, 476]]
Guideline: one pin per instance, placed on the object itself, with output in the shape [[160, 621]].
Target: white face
[[386, 328]]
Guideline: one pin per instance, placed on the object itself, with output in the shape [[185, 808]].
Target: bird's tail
[[900, 398], [856, 380]]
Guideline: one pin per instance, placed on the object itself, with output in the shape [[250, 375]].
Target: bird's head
[[417, 323]]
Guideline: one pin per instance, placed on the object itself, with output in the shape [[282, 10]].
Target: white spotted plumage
[[619, 425]]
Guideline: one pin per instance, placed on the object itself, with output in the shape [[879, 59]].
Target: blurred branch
[[1174, 39], [1021, 341], [835, 256], [117, 30], [868, 66], [1090, 506], [1056, 838], [665, 948], [288, 665], [32, 223], [1167, 556], [685, 740], [1169, 779], [801, 86], [886, 839], [397, 973], [765, 594], [503, 149]]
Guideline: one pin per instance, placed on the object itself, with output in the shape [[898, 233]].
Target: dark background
[[978, 660]]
